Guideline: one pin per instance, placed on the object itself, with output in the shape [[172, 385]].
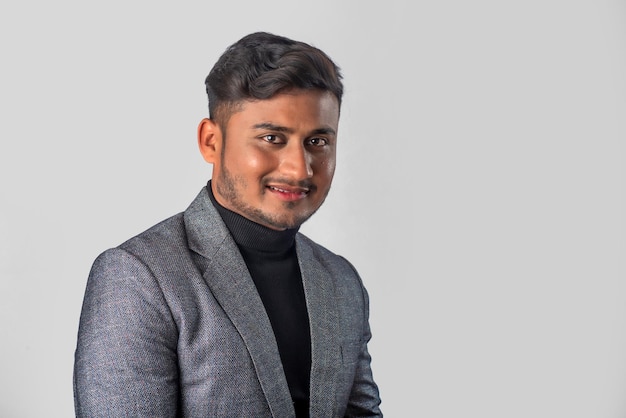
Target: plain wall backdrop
[[480, 187]]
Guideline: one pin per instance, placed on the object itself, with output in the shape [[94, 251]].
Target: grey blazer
[[172, 325]]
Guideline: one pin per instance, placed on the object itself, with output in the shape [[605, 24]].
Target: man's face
[[276, 164]]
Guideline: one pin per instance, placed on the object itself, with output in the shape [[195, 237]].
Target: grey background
[[479, 189]]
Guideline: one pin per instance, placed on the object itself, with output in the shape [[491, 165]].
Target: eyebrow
[[277, 128]]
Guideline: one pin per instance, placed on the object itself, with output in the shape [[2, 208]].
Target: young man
[[226, 310]]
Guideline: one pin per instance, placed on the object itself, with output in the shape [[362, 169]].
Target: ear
[[209, 140]]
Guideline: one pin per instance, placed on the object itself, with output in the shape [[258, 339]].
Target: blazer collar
[[319, 290], [225, 272]]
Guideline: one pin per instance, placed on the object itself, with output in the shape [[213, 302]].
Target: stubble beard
[[227, 187]]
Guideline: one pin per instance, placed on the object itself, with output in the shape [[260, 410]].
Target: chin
[[290, 222]]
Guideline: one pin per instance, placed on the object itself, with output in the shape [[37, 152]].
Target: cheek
[[326, 167], [254, 162]]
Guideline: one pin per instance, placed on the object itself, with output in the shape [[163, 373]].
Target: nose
[[296, 162]]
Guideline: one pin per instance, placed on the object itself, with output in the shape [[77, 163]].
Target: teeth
[[283, 191]]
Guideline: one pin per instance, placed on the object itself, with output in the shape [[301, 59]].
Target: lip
[[288, 194]]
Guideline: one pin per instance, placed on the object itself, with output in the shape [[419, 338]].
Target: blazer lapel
[[324, 322], [225, 272]]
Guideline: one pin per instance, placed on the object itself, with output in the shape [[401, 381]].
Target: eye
[[318, 142], [272, 139]]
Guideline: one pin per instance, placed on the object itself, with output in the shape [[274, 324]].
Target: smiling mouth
[[289, 194]]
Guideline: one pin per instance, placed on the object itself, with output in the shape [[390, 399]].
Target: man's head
[[277, 101]]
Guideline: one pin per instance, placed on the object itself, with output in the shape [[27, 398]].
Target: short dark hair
[[261, 65]]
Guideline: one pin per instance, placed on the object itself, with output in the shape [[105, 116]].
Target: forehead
[[295, 108]]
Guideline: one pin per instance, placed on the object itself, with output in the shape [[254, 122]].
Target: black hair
[[261, 65]]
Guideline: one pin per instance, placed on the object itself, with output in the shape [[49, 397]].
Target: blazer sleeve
[[125, 361]]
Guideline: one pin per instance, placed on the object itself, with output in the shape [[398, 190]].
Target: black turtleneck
[[271, 258]]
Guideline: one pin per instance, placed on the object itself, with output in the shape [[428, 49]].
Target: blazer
[[172, 325]]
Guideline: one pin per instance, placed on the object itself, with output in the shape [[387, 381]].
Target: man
[[226, 310]]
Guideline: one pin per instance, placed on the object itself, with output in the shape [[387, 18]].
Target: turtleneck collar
[[252, 235]]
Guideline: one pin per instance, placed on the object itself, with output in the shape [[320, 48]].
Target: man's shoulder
[[304, 240], [167, 235], [165, 232], [164, 241], [321, 252]]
